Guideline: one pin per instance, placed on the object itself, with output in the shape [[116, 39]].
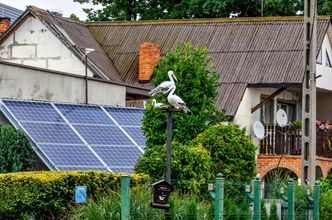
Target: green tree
[[74, 17], [16, 153], [231, 150], [197, 86], [178, 9]]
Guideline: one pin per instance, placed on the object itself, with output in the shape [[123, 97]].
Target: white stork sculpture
[[159, 105], [176, 101], [166, 86]]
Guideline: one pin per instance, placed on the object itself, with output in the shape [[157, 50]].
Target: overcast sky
[[67, 7]]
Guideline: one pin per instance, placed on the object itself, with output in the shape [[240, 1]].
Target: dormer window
[[319, 58], [328, 60]]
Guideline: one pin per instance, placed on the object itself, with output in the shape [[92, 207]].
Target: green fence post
[[125, 198], [219, 197], [290, 199], [316, 201], [257, 198]]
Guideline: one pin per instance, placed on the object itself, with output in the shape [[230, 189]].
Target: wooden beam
[[267, 99]]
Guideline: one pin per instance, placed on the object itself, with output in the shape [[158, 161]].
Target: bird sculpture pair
[[169, 87]]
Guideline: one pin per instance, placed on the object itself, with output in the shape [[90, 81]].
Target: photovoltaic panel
[[136, 134], [51, 133], [33, 111], [70, 155], [122, 169], [81, 137], [118, 156], [65, 168], [104, 135], [126, 116], [85, 114]]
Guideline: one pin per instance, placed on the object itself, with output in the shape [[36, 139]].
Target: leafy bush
[[264, 215], [108, 207], [274, 212], [51, 194], [16, 153], [197, 86], [231, 150], [326, 199], [190, 165]]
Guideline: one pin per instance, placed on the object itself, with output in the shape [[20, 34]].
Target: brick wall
[[265, 163], [325, 164], [4, 24], [149, 54]]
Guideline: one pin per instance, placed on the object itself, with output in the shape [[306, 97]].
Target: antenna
[[282, 119], [259, 131]]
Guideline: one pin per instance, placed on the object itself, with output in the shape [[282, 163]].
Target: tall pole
[[309, 94], [169, 147], [262, 8], [86, 79]]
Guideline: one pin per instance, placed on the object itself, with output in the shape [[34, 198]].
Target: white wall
[[26, 83], [34, 45], [251, 98], [325, 82]]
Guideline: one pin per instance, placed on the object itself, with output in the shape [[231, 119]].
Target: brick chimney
[[4, 24], [149, 54]]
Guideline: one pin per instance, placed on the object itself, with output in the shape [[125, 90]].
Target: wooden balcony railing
[[281, 141], [287, 141]]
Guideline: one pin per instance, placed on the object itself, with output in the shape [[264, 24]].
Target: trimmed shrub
[[16, 153], [231, 150], [190, 165], [50, 194]]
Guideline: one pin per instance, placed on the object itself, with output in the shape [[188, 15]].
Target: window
[[290, 109], [327, 60], [267, 112], [319, 57]]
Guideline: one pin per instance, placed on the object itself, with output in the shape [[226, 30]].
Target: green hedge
[[51, 194]]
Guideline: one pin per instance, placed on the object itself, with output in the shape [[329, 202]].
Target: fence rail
[[287, 141]]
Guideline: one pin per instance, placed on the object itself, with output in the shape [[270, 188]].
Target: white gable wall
[[325, 82], [251, 98], [34, 45]]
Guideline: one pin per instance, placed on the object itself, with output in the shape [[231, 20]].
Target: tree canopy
[[178, 9]]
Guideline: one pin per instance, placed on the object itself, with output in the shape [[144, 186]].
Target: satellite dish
[[282, 119], [259, 131]]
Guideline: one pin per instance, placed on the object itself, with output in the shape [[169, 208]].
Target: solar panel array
[[81, 137]]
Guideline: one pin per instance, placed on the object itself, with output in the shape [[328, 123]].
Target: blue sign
[[80, 194]]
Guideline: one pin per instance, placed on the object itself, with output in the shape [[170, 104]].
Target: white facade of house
[[33, 44], [253, 96], [38, 84]]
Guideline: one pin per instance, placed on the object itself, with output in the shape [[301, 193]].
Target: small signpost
[[80, 194]]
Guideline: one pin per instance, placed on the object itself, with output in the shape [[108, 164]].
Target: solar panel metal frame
[[48, 162]]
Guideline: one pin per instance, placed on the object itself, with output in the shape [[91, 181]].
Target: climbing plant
[[16, 153]]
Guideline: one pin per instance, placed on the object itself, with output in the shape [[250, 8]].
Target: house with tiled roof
[[259, 59]]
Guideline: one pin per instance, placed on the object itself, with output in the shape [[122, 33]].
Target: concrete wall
[[34, 45], [325, 82], [251, 98], [324, 106], [26, 83]]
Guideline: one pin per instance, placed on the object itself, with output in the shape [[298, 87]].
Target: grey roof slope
[[247, 51]]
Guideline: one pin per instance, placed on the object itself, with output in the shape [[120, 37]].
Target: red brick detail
[[325, 164], [149, 54], [265, 163], [4, 24]]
